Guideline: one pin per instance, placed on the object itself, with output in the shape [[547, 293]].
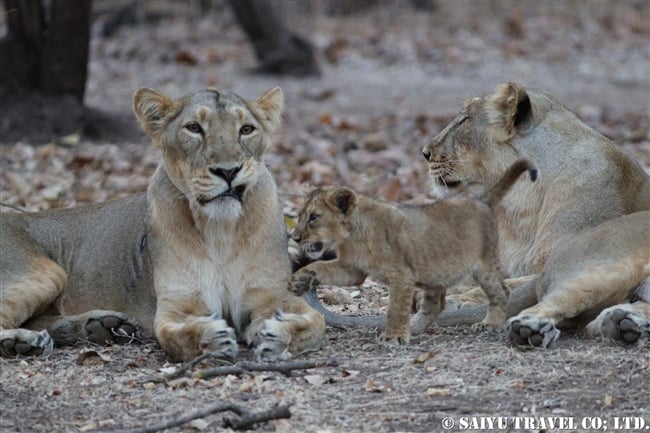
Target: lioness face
[[474, 147], [212, 143], [323, 221]]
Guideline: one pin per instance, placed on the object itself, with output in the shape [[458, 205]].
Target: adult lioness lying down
[[199, 260], [581, 227]]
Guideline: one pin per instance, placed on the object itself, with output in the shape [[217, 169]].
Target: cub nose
[[426, 154], [226, 174]]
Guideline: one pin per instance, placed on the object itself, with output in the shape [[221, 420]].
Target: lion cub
[[431, 246]]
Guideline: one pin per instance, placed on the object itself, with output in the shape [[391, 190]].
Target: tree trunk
[[46, 51], [279, 50]]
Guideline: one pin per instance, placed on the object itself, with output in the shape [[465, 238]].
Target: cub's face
[[474, 147], [212, 143], [323, 222]]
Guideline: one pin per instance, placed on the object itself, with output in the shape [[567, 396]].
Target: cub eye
[[313, 217], [246, 129], [194, 128]]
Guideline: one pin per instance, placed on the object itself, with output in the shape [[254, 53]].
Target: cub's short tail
[[501, 188]]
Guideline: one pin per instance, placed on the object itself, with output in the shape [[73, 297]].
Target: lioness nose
[[226, 174], [426, 154]]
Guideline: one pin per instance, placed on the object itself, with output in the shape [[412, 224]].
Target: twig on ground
[[179, 420], [181, 370], [246, 367], [247, 420]]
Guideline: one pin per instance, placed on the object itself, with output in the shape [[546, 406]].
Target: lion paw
[[487, 327], [111, 328], [620, 324], [273, 340], [219, 339], [303, 281], [389, 338], [25, 342], [531, 330]]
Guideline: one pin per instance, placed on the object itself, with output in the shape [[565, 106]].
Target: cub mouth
[[449, 183], [236, 193]]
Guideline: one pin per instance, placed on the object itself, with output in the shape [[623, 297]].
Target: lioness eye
[[313, 217], [246, 130], [194, 127]]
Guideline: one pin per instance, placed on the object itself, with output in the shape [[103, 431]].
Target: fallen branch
[[180, 370], [247, 420], [179, 420], [246, 367]]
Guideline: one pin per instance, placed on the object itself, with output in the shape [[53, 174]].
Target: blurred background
[[366, 82]]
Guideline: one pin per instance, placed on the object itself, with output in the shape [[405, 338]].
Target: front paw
[[392, 338], [272, 341], [303, 281], [526, 330], [219, 339]]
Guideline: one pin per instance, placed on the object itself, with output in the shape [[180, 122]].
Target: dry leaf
[[437, 392], [315, 379], [88, 427], [199, 424], [372, 386], [91, 357], [608, 400], [424, 357], [349, 373]]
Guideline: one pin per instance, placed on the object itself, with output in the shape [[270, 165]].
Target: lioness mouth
[[235, 193], [449, 183]]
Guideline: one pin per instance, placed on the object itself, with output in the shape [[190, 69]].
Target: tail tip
[[533, 174]]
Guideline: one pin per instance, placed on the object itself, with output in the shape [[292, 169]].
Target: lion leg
[[399, 310], [497, 293], [28, 285], [185, 336], [431, 303], [628, 323], [594, 288], [282, 326], [103, 327], [461, 296]]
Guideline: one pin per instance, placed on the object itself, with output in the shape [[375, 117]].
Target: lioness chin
[[431, 246], [200, 260]]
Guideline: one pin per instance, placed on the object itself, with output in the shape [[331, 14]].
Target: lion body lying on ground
[[200, 260], [578, 237]]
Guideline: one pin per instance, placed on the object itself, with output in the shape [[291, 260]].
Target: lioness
[[199, 259], [580, 226], [431, 246]]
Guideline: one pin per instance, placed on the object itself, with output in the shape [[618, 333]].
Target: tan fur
[[199, 261], [585, 182], [432, 246]]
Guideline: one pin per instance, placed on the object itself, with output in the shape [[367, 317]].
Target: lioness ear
[[268, 109], [507, 109], [151, 108], [342, 198]]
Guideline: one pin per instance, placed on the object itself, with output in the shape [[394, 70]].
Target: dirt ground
[[391, 77]]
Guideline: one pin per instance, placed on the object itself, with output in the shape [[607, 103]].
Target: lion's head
[[212, 143], [474, 147], [323, 221]]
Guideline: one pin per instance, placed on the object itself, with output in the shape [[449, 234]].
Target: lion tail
[[501, 188]]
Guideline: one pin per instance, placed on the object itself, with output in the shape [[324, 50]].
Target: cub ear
[[151, 108], [343, 199], [268, 109], [508, 109]]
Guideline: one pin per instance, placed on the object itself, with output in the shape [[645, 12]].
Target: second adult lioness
[[200, 260], [580, 228], [432, 246]]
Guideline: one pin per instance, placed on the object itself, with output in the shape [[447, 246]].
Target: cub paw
[[532, 331], [487, 327], [389, 338], [420, 322], [25, 342], [112, 328], [303, 281], [219, 339], [618, 323], [273, 339]]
